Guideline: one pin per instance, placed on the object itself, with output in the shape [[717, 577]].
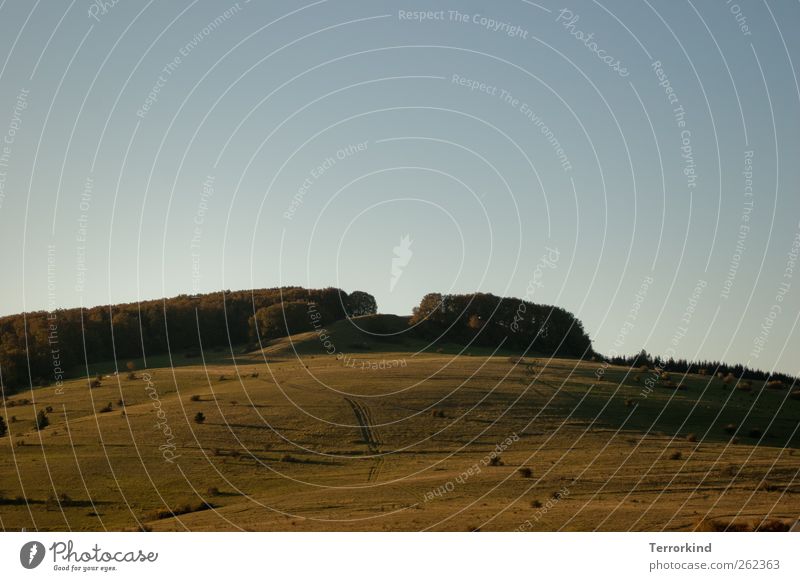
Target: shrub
[[768, 487], [536, 504], [437, 413], [222, 378], [254, 374], [42, 421], [49, 409], [131, 375], [3, 427], [715, 526], [121, 402], [194, 398], [95, 383], [288, 458], [106, 408], [495, 461], [772, 526], [691, 438], [676, 455], [628, 403], [525, 472], [199, 418], [13, 419]]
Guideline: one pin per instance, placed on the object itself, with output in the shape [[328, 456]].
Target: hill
[[395, 435]]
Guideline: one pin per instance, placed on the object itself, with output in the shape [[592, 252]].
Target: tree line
[[487, 320], [44, 348], [672, 365]]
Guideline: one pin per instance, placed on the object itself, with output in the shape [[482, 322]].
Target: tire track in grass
[[368, 435]]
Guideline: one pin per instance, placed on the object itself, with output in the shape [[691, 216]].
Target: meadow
[[384, 434]]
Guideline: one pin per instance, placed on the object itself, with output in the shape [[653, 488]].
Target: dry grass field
[[296, 439]]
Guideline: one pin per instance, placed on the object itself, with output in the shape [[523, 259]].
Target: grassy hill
[[395, 434]]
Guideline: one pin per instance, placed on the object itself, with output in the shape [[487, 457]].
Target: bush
[[525, 472], [106, 408], [194, 398], [675, 456], [536, 504], [3, 427], [495, 461], [95, 383], [199, 418], [42, 421], [49, 409], [437, 413], [288, 458], [691, 438]]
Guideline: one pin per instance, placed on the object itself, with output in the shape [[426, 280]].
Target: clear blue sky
[[155, 149]]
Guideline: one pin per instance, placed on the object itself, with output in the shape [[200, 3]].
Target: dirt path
[[369, 435]]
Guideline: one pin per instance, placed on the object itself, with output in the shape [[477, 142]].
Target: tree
[[281, 319], [42, 421], [199, 418], [360, 303], [3, 427]]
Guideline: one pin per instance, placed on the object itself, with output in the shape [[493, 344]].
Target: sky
[[634, 163]]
